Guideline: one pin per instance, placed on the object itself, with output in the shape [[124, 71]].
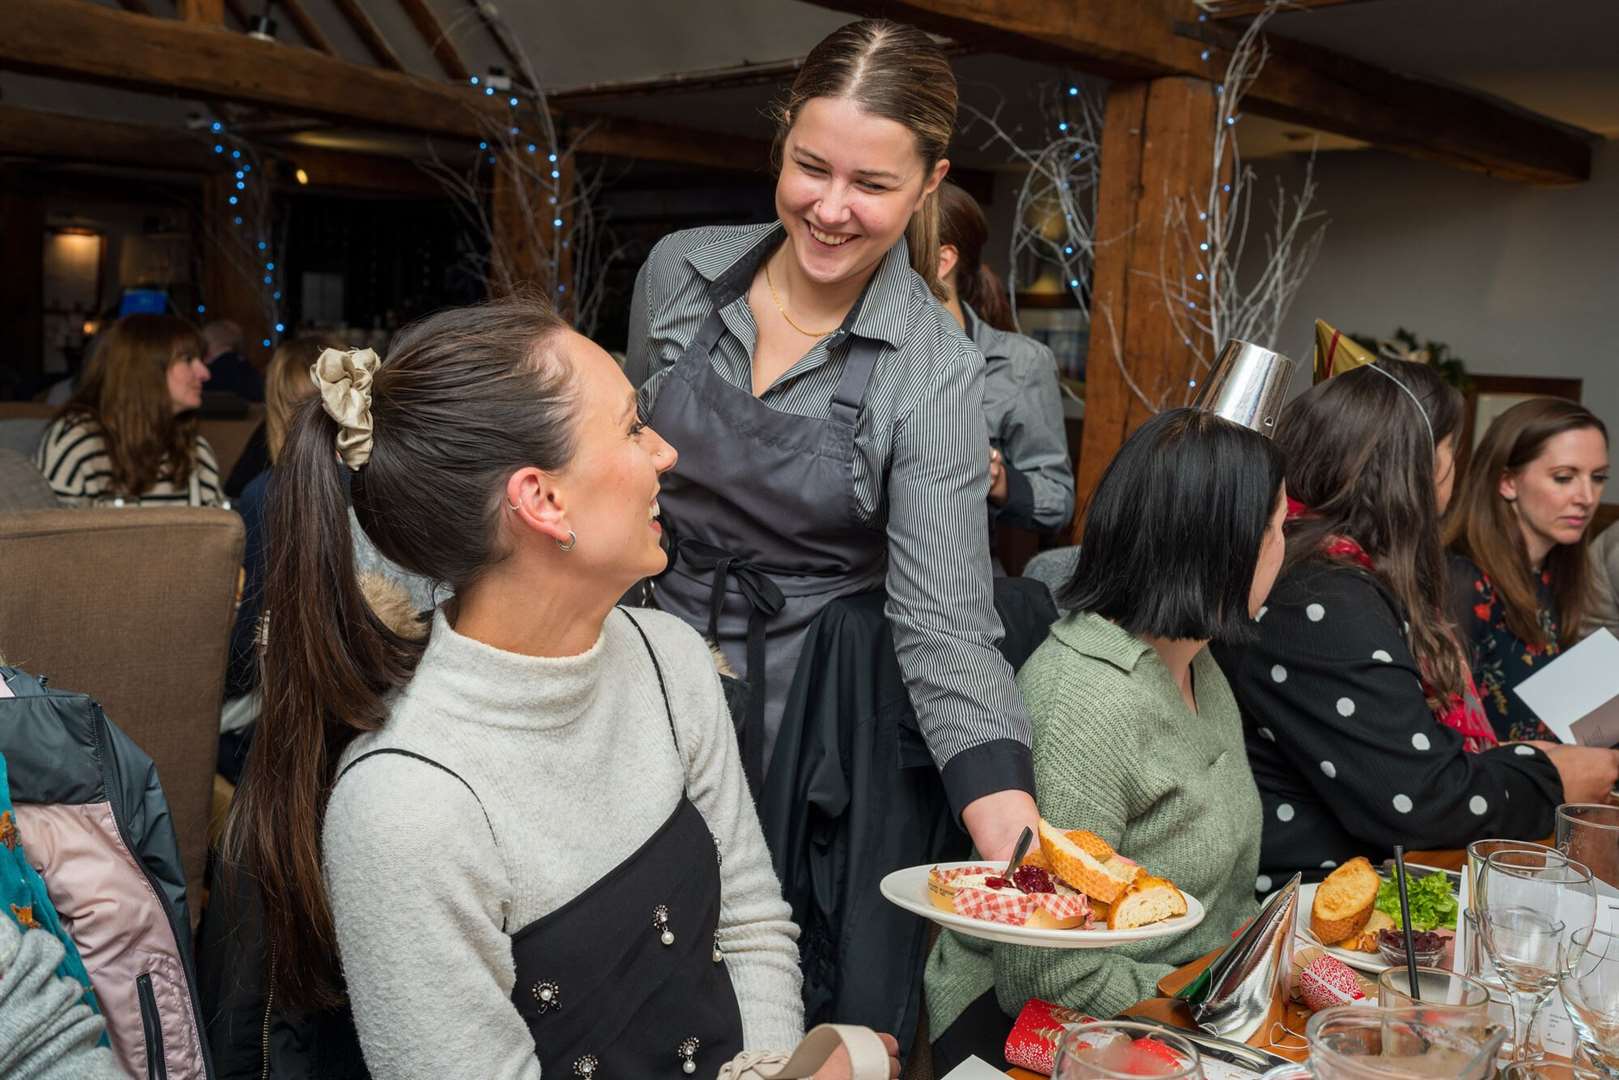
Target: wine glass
[[1524, 945], [1541, 878], [1118, 1048], [1590, 985]]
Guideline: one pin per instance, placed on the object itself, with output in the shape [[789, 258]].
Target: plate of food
[[1072, 892], [1355, 915]]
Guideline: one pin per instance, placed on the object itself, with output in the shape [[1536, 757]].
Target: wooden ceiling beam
[[307, 29], [139, 7], [238, 12], [1133, 39], [368, 33], [432, 31], [644, 141], [203, 12], [1242, 9], [99, 44]]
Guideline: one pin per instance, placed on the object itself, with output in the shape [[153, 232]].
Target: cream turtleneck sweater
[[573, 762]]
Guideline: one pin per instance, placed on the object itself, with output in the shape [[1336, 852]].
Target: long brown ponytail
[[895, 72], [1360, 456], [466, 397], [962, 226]]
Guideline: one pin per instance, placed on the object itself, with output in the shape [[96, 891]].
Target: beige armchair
[[134, 608]]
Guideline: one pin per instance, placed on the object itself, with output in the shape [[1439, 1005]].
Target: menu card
[[1577, 694]]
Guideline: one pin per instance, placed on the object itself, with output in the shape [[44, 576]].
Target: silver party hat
[[1234, 995], [1248, 386]]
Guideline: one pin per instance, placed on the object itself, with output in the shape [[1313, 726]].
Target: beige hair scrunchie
[[343, 377]]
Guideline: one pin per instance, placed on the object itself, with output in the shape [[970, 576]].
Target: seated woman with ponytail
[[1362, 725], [525, 835]]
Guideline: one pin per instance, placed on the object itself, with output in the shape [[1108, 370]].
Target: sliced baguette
[[1343, 902], [1087, 863], [1148, 900]]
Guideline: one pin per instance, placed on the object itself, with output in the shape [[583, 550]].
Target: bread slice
[[1366, 940], [1343, 902], [1148, 900], [1087, 863]]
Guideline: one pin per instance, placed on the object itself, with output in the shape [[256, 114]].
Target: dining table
[[1167, 1007]]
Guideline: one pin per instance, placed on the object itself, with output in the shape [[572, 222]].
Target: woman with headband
[[1361, 721]]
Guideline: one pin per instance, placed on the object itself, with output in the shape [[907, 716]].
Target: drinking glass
[[1530, 901], [1353, 1042], [1590, 985], [1523, 944], [1116, 1048], [1479, 852], [1589, 833], [1435, 986]]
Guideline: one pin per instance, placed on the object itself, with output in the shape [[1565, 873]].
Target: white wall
[[1518, 280]]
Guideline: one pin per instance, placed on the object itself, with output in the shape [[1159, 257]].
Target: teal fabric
[[23, 895]]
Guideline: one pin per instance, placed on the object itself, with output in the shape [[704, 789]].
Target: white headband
[[1420, 410]]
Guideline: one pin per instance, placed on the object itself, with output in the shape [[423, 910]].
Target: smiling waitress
[[829, 417]]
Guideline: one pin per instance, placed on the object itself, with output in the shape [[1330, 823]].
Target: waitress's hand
[[996, 821], [837, 1066], [997, 479], [1588, 772]]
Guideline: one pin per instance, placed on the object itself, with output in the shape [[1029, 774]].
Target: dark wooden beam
[[432, 31], [139, 7], [371, 174], [618, 137], [306, 27], [1125, 39], [238, 12], [368, 33], [98, 44], [1241, 9], [52, 136]]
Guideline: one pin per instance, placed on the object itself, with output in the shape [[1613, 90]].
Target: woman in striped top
[[829, 417], [129, 435]]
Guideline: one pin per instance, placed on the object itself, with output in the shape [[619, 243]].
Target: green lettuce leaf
[[1433, 905]]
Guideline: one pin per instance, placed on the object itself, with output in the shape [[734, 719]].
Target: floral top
[[1500, 659]]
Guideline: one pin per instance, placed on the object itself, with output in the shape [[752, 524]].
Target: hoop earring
[[573, 541], [511, 506]]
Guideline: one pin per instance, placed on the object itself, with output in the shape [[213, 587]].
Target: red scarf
[[1460, 712]]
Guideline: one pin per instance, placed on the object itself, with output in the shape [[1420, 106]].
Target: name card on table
[[1577, 694]]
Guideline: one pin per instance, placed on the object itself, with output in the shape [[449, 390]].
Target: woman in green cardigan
[[1136, 734]]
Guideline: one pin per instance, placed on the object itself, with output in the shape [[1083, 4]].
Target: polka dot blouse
[[1348, 757]]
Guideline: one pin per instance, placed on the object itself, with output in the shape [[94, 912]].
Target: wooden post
[[526, 234], [207, 12], [22, 301], [1157, 147], [227, 288]]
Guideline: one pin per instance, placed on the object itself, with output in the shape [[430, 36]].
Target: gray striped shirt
[[921, 473], [74, 457]]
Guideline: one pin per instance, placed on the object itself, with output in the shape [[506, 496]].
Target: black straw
[[1405, 921]]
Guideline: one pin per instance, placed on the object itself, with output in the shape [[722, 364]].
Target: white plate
[[1371, 963], [909, 889]]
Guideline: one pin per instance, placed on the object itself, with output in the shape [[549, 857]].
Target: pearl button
[[668, 937], [689, 1067]]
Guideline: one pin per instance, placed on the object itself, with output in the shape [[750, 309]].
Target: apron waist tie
[[765, 600]]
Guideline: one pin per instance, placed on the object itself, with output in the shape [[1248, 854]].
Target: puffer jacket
[[96, 827]]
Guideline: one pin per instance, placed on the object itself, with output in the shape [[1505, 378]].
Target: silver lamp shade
[[1247, 387]]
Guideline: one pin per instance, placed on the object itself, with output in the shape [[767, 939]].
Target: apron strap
[[850, 392], [663, 688], [765, 601], [868, 1057]]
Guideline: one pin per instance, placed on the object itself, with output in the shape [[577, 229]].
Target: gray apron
[[762, 522]]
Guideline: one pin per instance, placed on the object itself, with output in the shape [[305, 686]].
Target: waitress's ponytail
[[898, 73], [922, 237]]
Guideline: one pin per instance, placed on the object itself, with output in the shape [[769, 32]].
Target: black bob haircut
[[1173, 532]]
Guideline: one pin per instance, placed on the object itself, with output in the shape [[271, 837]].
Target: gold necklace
[[772, 287]]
